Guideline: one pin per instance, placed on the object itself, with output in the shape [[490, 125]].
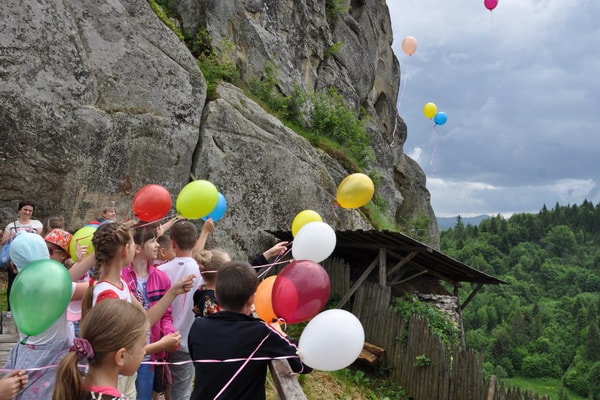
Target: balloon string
[[241, 367], [433, 148], [403, 84], [334, 207], [269, 266], [395, 128], [45, 367]]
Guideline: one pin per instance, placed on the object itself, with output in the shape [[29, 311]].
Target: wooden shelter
[[400, 261]]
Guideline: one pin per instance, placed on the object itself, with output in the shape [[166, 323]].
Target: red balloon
[[151, 203], [300, 291], [490, 4]]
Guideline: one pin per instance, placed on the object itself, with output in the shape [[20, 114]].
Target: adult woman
[[23, 223]]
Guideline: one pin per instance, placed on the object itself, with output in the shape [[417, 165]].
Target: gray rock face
[[98, 99]]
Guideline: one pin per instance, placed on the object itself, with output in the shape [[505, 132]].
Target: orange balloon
[[409, 45], [262, 300]]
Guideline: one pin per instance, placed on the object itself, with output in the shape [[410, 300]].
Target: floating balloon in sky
[[409, 45], [429, 110], [490, 4], [440, 118]]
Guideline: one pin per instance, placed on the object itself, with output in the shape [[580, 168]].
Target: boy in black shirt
[[233, 334]]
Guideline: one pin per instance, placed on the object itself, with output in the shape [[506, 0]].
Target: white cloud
[[520, 89]]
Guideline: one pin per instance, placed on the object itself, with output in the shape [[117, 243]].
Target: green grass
[[542, 386]]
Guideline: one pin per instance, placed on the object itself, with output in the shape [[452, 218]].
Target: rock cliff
[[98, 99]]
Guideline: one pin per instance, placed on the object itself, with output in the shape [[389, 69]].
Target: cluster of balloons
[[430, 111], [199, 199]]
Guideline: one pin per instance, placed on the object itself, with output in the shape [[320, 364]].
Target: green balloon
[[39, 295]]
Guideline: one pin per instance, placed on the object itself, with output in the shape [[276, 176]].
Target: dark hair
[[184, 234], [236, 283], [142, 233], [164, 241], [24, 203], [111, 325]]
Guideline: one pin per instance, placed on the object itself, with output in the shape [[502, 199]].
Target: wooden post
[[492, 388]]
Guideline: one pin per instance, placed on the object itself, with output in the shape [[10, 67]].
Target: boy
[[183, 238], [233, 334]]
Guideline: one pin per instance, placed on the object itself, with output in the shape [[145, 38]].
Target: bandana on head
[[28, 247]]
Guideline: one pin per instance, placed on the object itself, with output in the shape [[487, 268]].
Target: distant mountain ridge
[[450, 222]]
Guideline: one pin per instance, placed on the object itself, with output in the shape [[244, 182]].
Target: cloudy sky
[[521, 88]]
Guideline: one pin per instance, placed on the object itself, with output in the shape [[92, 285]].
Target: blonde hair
[[53, 222], [209, 262], [107, 241], [111, 325]]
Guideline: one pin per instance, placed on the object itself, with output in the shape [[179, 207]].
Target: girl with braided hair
[[113, 335], [114, 249]]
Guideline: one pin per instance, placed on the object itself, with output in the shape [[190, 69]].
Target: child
[[233, 334], [183, 239], [149, 285], [209, 261], [35, 353], [113, 335], [114, 249], [165, 250]]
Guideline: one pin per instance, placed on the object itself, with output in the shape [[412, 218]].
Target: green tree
[[592, 343]]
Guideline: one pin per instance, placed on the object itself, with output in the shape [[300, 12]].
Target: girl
[[113, 335], [209, 261], [35, 353], [115, 248], [148, 285]]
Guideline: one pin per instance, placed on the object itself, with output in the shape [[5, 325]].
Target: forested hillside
[[544, 323]]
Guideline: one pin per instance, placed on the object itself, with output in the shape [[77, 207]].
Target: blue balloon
[[440, 118], [219, 210]]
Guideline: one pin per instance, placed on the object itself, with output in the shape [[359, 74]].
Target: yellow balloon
[[197, 199], [303, 218], [429, 110], [355, 191], [83, 237]]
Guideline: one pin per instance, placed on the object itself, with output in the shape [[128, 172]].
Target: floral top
[[205, 302]]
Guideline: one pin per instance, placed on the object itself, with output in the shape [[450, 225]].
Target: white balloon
[[315, 241], [332, 340]]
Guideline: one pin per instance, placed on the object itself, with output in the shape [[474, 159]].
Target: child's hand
[[171, 342], [277, 250], [209, 226], [81, 251], [13, 382], [184, 285]]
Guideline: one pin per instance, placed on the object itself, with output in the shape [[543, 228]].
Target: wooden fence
[[419, 362]]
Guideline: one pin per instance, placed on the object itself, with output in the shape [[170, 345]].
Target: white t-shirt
[[58, 331], [183, 316], [106, 290], [33, 226]]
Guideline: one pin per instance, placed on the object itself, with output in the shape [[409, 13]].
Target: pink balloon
[[490, 4], [409, 45], [300, 291]]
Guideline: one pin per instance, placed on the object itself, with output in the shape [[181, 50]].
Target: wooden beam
[[286, 383], [382, 267], [359, 282], [403, 262], [409, 278], [470, 297]]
